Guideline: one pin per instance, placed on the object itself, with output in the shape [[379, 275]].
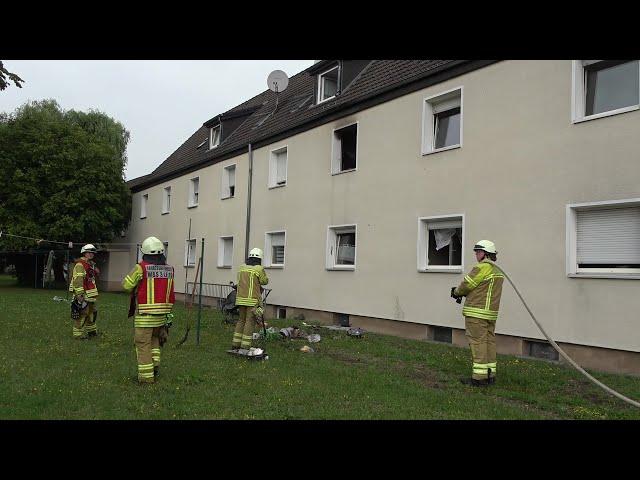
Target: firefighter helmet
[[88, 248], [485, 245], [255, 252], [152, 246]]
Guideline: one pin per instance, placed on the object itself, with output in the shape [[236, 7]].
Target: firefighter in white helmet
[[483, 289], [152, 297], [85, 294], [251, 277]]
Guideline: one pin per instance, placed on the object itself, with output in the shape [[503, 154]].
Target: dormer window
[[328, 84], [214, 137]]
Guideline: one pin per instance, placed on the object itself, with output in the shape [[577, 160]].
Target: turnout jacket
[[155, 295], [83, 281], [250, 278], [483, 289]]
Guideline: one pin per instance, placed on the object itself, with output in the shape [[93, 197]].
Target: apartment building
[[371, 181]]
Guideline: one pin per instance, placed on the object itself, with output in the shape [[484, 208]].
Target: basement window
[[543, 350], [341, 247], [344, 149], [442, 122], [281, 313], [341, 319], [440, 243], [228, 182], [441, 334], [225, 252], [328, 84]]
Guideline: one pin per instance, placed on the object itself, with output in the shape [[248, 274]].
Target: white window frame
[[332, 231], [192, 203], [423, 243], [186, 252], [166, 195], [335, 160], [166, 250], [578, 95], [144, 205], [225, 190], [434, 104], [268, 259], [138, 252], [211, 130], [573, 271], [273, 168], [321, 84], [221, 251]]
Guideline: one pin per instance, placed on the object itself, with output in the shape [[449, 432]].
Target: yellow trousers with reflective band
[[243, 334], [147, 343], [85, 324], [482, 339]]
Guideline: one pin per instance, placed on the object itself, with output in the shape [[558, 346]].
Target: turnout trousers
[[84, 325], [482, 339], [147, 342], [244, 328]]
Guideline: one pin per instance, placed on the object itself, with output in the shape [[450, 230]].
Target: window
[[604, 239], [278, 168], [341, 247], [542, 350], [440, 334], [166, 200], [341, 319], [281, 312], [274, 249], [143, 205], [190, 253], [214, 137], [138, 253], [328, 84], [604, 87], [225, 252], [442, 122], [440, 242], [166, 249], [228, 181], [345, 149], [194, 186]]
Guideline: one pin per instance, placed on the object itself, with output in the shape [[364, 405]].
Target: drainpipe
[[248, 228]]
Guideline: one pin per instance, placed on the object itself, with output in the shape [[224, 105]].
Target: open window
[[328, 84], [274, 249], [442, 122], [341, 247], [190, 253], [225, 252], [194, 187], [604, 87], [278, 167], [345, 149], [214, 137], [228, 181], [604, 239], [440, 244], [166, 200]]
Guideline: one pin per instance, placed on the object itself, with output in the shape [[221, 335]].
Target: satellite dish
[[277, 81]]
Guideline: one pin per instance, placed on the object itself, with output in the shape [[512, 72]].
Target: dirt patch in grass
[[349, 358], [585, 389], [419, 373]]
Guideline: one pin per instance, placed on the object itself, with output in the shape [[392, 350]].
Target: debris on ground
[[292, 332], [355, 332], [60, 299], [313, 338], [307, 349]]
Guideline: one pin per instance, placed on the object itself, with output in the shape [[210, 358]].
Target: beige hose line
[[567, 357]]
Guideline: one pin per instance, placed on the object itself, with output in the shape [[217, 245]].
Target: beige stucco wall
[[522, 161]]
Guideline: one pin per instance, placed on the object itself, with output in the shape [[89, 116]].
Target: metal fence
[[215, 293]]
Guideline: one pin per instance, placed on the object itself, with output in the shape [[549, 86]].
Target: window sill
[[227, 198], [142, 218], [606, 114], [443, 149], [274, 266], [277, 186], [440, 270], [192, 206], [190, 266], [165, 213], [325, 100], [342, 267], [615, 276], [224, 266], [344, 171]]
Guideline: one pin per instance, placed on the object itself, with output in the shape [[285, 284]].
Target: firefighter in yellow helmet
[[85, 294], [251, 277], [483, 289], [152, 297]]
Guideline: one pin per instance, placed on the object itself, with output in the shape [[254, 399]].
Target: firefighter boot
[[156, 371], [491, 380], [473, 382]]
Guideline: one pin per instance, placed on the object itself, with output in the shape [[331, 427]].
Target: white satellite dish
[[277, 81]]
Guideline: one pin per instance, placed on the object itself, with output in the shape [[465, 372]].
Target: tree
[[6, 77], [62, 175]]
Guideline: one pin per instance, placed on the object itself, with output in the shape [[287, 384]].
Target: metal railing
[[218, 292]]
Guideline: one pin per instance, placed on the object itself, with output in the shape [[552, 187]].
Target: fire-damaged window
[[440, 243], [345, 149], [341, 247]]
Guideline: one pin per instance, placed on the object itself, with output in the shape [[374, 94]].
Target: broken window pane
[[449, 254], [347, 138], [611, 85], [447, 128], [346, 248]]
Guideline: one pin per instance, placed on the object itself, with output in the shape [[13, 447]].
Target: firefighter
[[251, 277], [483, 288], [85, 294], [152, 297]]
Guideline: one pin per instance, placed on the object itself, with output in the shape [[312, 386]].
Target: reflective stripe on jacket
[[83, 281], [483, 289], [250, 277]]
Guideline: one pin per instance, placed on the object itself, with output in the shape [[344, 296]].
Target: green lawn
[[45, 374]]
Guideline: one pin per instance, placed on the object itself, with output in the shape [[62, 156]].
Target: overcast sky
[[160, 102]]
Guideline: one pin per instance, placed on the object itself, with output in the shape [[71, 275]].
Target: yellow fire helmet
[[152, 246]]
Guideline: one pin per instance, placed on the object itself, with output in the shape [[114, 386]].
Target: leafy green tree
[[6, 77], [62, 175]]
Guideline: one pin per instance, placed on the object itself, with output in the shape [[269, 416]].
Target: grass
[[48, 375]]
